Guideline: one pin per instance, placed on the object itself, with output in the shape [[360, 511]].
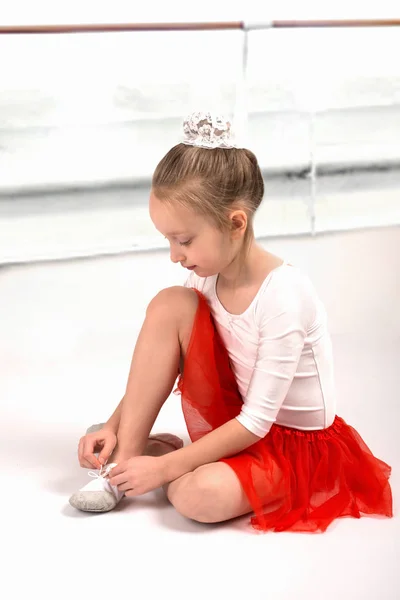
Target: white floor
[[67, 331]]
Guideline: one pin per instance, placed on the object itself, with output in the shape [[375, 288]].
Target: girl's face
[[194, 242]]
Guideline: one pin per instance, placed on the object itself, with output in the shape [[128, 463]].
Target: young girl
[[248, 337]]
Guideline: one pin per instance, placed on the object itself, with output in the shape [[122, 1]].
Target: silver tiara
[[206, 130]]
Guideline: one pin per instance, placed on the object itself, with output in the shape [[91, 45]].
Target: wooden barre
[[229, 25]]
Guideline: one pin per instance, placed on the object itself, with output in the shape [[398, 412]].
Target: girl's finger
[[80, 451], [85, 465], [88, 456]]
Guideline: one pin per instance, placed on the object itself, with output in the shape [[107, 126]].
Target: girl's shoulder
[[289, 277], [287, 288]]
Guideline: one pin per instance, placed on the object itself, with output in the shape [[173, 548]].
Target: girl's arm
[[226, 440]]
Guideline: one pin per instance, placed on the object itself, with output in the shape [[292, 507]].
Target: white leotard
[[280, 350]]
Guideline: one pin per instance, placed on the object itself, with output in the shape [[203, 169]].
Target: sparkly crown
[[207, 130]]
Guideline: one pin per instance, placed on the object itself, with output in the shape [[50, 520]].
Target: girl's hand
[[138, 475], [103, 441]]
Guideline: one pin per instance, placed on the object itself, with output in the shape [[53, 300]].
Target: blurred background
[[84, 120]]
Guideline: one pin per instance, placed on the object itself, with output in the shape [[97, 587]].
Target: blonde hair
[[212, 183]]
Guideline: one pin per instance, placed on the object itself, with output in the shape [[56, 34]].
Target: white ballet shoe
[[98, 495]]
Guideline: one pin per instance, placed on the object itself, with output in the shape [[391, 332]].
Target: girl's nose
[[177, 255]]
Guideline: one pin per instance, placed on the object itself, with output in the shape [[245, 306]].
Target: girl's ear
[[238, 223]]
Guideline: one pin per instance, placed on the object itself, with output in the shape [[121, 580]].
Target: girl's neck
[[253, 271]]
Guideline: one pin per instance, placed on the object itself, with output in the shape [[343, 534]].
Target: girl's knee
[[176, 300], [196, 496], [175, 307]]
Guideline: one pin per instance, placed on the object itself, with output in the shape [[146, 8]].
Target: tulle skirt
[[294, 480]]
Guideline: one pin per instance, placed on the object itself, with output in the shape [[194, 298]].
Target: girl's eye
[[182, 243]]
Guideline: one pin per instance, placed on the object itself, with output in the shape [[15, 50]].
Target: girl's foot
[[162, 443]]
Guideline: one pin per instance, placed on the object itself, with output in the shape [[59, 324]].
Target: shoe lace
[[100, 474]]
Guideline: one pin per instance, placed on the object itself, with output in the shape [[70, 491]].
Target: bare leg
[[159, 352]]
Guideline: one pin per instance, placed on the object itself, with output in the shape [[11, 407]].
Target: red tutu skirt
[[294, 480]]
